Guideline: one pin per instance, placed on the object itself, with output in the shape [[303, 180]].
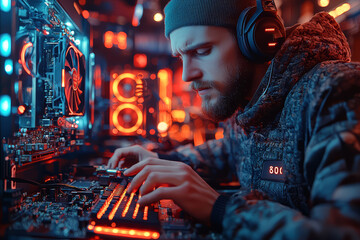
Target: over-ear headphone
[[260, 31]]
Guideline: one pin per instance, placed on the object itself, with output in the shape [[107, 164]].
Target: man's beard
[[228, 103]]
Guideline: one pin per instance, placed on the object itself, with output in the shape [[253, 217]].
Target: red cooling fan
[[73, 78]]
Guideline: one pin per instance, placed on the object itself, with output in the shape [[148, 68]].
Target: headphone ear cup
[[266, 37], [259, 37], [242, 37]]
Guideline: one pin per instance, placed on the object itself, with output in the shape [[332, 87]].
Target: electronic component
[[79, 207]]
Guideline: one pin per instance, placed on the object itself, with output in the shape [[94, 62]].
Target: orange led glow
[[22, 57], [90, 227], [340, 10], [108, 39], [21, 109], [146, 209], [63, 78], [323, 3], [122, 40], [85, 14], [186, 131], [126, 232], [158, 17], [162, 127], [97, 77], [152, 131], [117, 204], [126, 209], [151, 110], [272, 44], [140, 131], [140, 60], [116, 83], [135, 22], [219, 133], [165, 94], [178, 115], [106, 204], [153, 76], [116, 121], [198, 137], [77, 8], [136, 211], [269, 29]]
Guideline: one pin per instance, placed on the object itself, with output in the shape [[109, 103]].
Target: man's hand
[[126, 157], [176, 181]]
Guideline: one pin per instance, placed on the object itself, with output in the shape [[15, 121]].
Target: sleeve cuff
[[218, 212]]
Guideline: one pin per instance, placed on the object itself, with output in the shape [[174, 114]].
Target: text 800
[[275, 170]]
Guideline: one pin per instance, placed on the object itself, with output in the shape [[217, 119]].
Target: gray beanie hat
[[223, 13]]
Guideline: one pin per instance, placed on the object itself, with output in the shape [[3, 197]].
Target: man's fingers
[[115, 158], [148, 161], [159, 194], [138, 180], [156, 179]]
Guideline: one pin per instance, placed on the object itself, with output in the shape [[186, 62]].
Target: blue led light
[[5, 5], [5, 45], [9, 66], [5, 105], [16, 87]]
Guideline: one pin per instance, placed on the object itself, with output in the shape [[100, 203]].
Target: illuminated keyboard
[[117, 213]]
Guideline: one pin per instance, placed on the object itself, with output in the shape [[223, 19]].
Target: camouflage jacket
[[296, 149]]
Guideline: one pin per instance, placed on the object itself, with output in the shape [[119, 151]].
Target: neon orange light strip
[[271, 44], [269, 29], [137, 208], [125, 232], [146, 209], [113, 211], [136, 211], [63, 78], [128, 205], [106, 204], [22, 57]]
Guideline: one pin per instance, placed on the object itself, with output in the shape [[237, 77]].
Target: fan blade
[[68, 77], [67, 64], [68, 59], [67, 93], [77, 98], [71, 101], [73, 59], [79, 84], [77, 101]]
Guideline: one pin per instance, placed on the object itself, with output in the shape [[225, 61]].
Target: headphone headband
[[266, 5]]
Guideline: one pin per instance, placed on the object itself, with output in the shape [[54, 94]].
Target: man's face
[[212, 62]]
